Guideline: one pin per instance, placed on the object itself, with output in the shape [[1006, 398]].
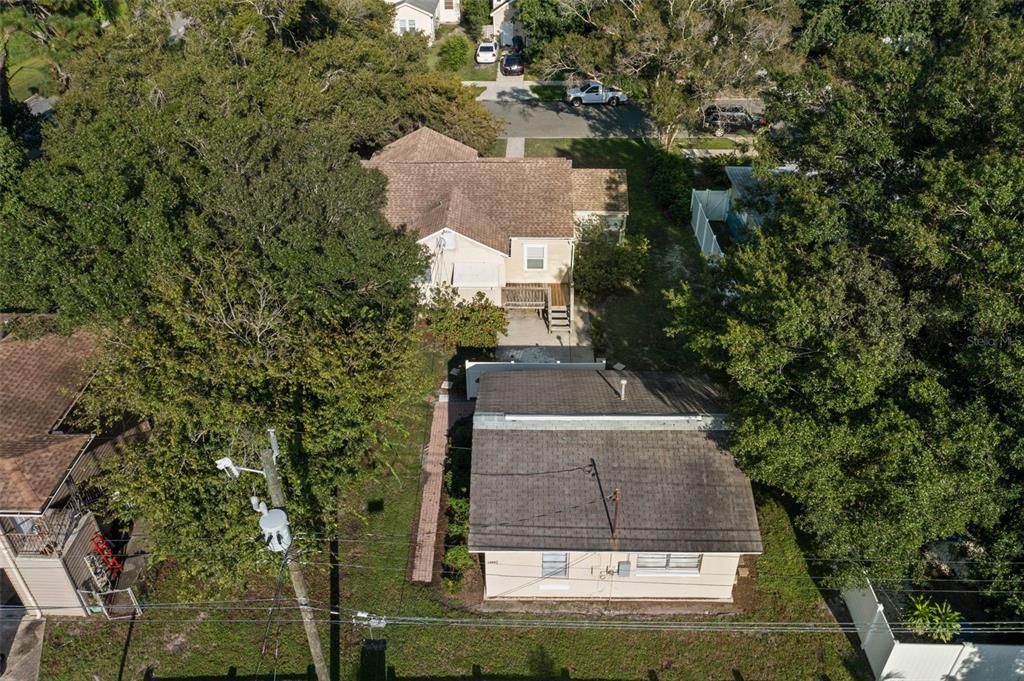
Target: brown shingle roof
[[424, 145], [680, 491], [433, 181], [599, 189], [558, 392], [39, 382]]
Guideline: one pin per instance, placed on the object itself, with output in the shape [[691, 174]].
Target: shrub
[[458, 518], [475, 15], [671, 182], [454, 53], [935, 620], [603, 267], [459, 559], [458, 323]]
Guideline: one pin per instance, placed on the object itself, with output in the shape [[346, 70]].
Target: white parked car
[[487, 53], [595, 93]]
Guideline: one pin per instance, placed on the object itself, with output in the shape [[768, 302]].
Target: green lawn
[[472, 70], [634, 324], [549, 92], [498, 150], [476, 71], [706, 143]]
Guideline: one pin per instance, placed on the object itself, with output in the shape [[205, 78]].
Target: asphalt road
[[538, 118]]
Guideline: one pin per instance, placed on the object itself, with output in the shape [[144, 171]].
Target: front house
[[504, 227]]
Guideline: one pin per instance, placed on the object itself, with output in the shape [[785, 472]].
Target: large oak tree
[[872, 327]]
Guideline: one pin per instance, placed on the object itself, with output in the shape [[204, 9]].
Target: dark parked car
[[512, 65], [722, 119]]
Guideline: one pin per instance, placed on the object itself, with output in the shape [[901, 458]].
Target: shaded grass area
[[548, 92], [706, 143], [497, 150], [29, 67], [634, 324], [472, 70]]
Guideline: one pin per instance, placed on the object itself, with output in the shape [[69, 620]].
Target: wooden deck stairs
[[557, 310]]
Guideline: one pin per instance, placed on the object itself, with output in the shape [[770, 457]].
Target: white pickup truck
[[595, 93]]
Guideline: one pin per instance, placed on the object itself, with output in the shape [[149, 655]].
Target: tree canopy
[[202, 207], [871, 328], [673, 57]]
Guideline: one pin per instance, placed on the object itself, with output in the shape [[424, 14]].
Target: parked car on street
[[487, 53], [721, 119], [512, 64], [595, 93]]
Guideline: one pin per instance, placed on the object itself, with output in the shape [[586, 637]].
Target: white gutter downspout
[[20, 586], [572, 285]]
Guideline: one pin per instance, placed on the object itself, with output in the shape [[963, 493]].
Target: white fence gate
[[891, 660], [707, 205]]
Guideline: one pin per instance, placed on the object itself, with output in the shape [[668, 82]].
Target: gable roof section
[[680, 491], [557, 392], [599, 190], [426, 6], [500, 5], [436, 182], [40, 380], [424, 145]]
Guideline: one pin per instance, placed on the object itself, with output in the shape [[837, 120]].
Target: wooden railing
[[524, 296]]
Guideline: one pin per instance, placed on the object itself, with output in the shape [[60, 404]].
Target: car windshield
[[513, 59], [487, 48]]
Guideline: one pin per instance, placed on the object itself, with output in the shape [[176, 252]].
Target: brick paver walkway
[[446, 413]]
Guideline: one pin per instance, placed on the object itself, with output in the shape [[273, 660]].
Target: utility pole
[[269, 459]]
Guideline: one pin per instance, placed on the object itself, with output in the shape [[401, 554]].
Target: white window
[[668, 563], [536, 256], [555, 565], [449, 4], [406, 25]]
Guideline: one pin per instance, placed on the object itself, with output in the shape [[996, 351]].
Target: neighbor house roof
[[557, 392], [436, 182], [425, 6], [40, 380], [599, 190], [679, 491]]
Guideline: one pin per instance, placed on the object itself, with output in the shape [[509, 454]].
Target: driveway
[[538, 119]]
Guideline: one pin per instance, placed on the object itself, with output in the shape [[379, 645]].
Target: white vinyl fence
[[891, 659], [707, 205]]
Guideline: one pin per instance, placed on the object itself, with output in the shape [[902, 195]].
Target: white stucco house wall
[[506, 227], [425, 15], [504, 22], [598, 485]]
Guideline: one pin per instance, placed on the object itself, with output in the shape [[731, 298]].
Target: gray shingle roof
[[680, 491], [580, 393]]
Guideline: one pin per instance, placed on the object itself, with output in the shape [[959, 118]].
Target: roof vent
[[622, 390]]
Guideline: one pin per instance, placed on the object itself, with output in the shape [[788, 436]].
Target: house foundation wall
[[594, 576]]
